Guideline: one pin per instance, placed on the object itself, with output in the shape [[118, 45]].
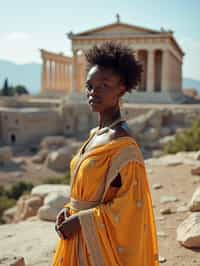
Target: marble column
[[56, 75], [75, 71], [150, 71], [165, 71], [44, 75], [136, 54], [62, 76], [50, 75], [66, 71]]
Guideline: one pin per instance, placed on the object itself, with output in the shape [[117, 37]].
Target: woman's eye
[[88, 87]]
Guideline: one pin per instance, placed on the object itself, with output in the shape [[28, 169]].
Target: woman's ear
[[122, 90]]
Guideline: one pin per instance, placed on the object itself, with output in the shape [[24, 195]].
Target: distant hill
[[27, 74], [30, 74]]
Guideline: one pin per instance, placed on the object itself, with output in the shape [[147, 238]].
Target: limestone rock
[[5, 155], [59, 160], [157, 153], [150, 134], [188, 232], [157, 186], [182, 209], [165, 211], [162, 259], [44, 190], [188, 158], [195, 171], [165, 131], [48, 213], [27, 206], [161, 234], [8, 215], [163, 141], [53, 142], [137, 125], [56, 199], [194, 204], [154, 118], [167, 199], [11, 260], [40, 157]]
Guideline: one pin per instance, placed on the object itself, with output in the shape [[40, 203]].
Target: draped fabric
[[117, 222]]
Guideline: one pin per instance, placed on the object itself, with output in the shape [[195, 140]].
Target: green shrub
[[188, 140], [58, 180], [18, 189]]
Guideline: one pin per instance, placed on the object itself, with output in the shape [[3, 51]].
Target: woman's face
[[103, 88]]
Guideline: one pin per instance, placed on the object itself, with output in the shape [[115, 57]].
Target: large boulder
[[5, 155], [46, 213], [56, 199], [53, 203], [27, 206], [188, 232], [40, 157], [44, 190], [59, 160], [194, 204]]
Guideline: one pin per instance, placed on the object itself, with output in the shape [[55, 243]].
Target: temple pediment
[[116, 29]]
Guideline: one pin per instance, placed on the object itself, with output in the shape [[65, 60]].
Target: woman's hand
[[70, 227], [62, 216]]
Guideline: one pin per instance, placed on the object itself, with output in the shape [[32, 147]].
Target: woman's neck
[[109, 116]]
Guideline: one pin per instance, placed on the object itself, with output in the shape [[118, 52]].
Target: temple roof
[[117, 27]]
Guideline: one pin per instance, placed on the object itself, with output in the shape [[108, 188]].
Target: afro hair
[[120, 59]]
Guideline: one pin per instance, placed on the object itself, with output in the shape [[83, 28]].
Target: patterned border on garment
[[127, 154], [89, 233]]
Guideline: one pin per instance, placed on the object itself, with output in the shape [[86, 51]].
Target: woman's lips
[[92, 100]]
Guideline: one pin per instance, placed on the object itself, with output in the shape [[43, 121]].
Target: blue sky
[[26, 26]]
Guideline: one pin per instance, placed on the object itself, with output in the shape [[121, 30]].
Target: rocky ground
[[35, 240]]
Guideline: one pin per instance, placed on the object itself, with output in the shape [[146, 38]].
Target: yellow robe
[[117, 224]]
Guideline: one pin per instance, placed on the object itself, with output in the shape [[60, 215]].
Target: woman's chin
[[95, 107]]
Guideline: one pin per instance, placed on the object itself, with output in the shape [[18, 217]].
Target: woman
[[109, 220]]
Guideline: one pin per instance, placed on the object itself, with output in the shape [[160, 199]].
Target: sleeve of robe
[[122, 231]]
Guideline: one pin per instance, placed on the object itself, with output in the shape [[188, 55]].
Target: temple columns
[[75, 71], [150, 71], [165, 71]]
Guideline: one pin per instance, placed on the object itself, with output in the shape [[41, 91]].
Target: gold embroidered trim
[[126, 155], [89, 233]]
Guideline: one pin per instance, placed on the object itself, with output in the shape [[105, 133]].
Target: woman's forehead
[[101, 73]]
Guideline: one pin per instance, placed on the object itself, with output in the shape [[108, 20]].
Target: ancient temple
[[158, 51]]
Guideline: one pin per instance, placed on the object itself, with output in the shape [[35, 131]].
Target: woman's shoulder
[[122, 130]]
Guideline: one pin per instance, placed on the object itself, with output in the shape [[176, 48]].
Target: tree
[[6, 90], [20, 89]]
